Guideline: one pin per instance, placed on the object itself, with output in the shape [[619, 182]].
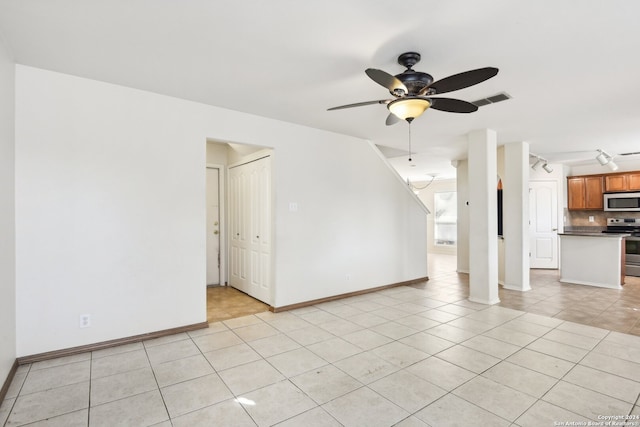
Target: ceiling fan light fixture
[[408, 108]]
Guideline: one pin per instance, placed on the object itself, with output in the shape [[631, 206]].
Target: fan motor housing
[[415, 81]]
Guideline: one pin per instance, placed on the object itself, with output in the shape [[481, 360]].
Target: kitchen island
[[594, 259]]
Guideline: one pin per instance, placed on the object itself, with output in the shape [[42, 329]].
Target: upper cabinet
[[628, 181], [585, 192], [615, 183]]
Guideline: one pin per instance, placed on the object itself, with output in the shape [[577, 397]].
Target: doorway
[[214, 227], [226, 302]]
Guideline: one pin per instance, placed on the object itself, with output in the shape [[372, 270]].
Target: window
[[446, 218]]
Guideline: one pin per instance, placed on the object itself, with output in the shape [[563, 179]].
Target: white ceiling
[[570, 66]]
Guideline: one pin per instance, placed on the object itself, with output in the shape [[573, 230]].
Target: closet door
[[260, 225], [250, 228], [238, 255]]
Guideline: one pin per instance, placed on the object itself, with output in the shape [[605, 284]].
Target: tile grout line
[[90, 385], [155, 378], [15, 400]]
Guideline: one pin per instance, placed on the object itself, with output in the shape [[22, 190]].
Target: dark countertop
[[586, 234]]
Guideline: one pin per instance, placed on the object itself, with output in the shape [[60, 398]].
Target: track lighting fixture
[[541, 161], [605, 159], [537, 164]]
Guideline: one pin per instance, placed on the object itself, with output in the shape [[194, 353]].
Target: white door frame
[[223, 220]]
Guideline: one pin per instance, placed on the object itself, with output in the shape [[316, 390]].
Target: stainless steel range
[[632, 243]]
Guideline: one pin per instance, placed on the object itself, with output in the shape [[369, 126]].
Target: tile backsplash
[[581, 218]]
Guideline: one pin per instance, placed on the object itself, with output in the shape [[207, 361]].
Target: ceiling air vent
[[502, 96]]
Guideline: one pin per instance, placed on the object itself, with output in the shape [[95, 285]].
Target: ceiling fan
[[413, 91]]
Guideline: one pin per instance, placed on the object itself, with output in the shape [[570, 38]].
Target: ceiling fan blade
[[360, 104], [452, 105], [392, 119], [385, 79], [462, 80]]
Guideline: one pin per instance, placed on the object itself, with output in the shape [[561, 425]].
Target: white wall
[[625, 164], [7, 219], [110, 210], [373, 232]]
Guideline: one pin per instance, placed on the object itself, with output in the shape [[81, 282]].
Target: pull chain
[[409, 141]]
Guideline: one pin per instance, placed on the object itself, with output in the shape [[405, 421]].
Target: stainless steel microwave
[[628, 202]]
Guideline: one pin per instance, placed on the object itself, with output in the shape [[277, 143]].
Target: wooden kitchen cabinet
[[575, 193], [633, 181], [616, 183], [629, 181], [585, 192]]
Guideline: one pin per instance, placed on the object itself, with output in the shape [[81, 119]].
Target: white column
[[483, 217], [462, 189], [516, 216]]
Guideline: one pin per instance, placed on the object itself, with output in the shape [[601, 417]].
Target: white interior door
[[260, 224], [213, 226], [238, 274], [250, 228], [543, 225]]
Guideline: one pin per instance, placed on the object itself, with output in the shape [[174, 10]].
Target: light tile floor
[[407, 356], [613, 309]]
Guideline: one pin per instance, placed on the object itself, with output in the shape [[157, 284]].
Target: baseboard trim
[[108, 344], [7, 382], [347, 295]]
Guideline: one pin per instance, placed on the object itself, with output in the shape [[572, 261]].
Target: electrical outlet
[[85, 320], [592, 219]]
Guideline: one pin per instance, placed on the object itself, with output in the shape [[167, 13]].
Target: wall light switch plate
[[85, 320]]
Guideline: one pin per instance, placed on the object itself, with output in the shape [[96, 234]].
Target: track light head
[[547, 168], [537, 164], [605, 159], [602, 159]]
